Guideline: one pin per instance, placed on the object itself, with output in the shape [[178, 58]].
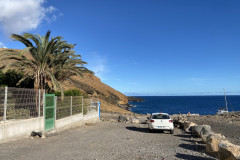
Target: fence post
[[99, 105], [44, 108], [71, 106], [82, 105], [55, 110], [39, 102], [5, 105]]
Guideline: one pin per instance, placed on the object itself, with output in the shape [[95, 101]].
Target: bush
[[11, 78], [18, 113], [72, 92]]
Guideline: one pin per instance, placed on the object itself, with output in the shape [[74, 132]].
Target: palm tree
[[47, 61]]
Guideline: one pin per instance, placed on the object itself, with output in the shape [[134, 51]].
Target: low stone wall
[[23, 128], [216, 144], [20, 128], [79, 119]]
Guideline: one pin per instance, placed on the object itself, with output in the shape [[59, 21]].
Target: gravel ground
[[227, 125], [107, 140]]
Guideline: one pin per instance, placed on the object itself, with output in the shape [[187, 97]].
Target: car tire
[[172, 131]]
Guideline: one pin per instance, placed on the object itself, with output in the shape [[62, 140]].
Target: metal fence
[[22, 103], [2, 96], [72, 105]]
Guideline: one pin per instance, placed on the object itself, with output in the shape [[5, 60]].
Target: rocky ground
[[107, 140], [226, 124]]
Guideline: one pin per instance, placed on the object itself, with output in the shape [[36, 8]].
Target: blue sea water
[[202, 105]]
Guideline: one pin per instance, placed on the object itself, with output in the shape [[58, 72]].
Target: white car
[[160, 121]]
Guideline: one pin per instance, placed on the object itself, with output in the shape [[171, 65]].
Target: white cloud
[[2, 45], [98, 65], [99, 70], [18, 16]]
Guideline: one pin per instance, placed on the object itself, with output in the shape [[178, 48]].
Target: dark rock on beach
[[122, 118], [135, 99], [126, 106]]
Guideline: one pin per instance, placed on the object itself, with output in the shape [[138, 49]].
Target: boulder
[[122, 119], [187, 125], [212, 143], [196, 130], [228, 151], [206, 131], [181, 122], [134, 120]]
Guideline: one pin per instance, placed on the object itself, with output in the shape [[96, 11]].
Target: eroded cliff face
[[92, 85]]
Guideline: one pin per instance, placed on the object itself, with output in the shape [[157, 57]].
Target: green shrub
[[72, 92], [11, 78], [18, 113]]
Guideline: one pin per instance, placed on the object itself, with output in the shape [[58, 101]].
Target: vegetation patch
[[18, 113]]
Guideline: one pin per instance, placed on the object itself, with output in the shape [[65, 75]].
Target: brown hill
[[109, 97]]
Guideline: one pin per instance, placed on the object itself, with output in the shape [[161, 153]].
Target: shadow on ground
[[145, 130], [193, 147], [183, 135], [192, 141], [191, 157]]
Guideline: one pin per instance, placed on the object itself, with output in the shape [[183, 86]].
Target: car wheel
[[172, 131]]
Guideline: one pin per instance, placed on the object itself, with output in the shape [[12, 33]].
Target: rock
[[146, 121], [212, 142], [228, 151], [43, 136], [197, 129], [134, 120], [181, 122], [122, 119], [187, 125], [206, 131]]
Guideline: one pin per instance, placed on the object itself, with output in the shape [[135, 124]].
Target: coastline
[[126, 106]]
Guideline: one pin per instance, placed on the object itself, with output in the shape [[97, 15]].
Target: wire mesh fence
[[77, 103], [22, 103], [63, 107], [2, 96], [72, 105]]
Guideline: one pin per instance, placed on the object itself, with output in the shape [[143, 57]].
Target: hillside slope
[[92, 85]]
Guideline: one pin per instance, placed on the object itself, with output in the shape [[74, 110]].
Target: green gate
[[49, 111]]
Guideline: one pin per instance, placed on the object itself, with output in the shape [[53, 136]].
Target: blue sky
[[141, 47]]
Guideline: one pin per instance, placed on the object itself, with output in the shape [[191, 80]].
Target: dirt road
[[106, 140]]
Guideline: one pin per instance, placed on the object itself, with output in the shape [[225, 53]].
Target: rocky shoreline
[[220, 133], [135, 99], [129, 106], [227, 124], [126, 106]]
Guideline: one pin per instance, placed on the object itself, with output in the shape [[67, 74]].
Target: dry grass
[[106, 107]]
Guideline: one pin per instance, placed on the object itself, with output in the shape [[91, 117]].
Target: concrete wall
[[21, 128], [79, 119]]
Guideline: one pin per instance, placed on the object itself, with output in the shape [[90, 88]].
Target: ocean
[[203, 105]]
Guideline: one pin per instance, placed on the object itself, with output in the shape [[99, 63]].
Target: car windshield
[[160, 116]]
